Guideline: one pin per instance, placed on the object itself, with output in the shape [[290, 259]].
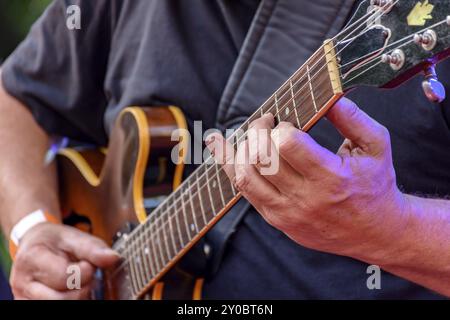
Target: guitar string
[[179, 199], [299, 91], [397, 42], [379, 62]]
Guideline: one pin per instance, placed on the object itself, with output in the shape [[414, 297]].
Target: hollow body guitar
[[116, 193], [107, 192]]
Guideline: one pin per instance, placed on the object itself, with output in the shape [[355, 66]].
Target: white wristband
[[25, 224]]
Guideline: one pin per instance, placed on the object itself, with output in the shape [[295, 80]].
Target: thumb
[[86, 247], [355, 125]]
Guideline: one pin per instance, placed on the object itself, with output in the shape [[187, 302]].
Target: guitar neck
[[207, 194]]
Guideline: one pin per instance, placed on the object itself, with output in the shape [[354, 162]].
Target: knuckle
[[15, 282], [242, 183], [353, 110], [384, 134], [254, 157], [288, 140], [339, 182], [256, 123], [25, 255], [264, 158]]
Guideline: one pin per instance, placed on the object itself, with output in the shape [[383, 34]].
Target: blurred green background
[[16, 17]]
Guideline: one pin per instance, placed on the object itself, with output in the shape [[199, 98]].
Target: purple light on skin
[[56, 145]]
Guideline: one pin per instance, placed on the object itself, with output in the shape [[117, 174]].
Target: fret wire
[[276, 107], [159, 242], [147, 252], [311, 89], [139, 280], [197, 229], [165, 238], [177, 218], [141, 264], [132, 274], [149, 274], [136, 265], [201, 199], [214, 184], [154, 251], [188, 233], [227, 189], [233, 190], [220, 185], [209, 193], [295, 106], [172, 232]]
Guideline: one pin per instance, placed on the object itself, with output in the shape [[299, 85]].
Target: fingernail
[[233, 182], [109, 252]]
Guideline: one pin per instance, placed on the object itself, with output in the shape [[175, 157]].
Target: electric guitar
[[132, 195]]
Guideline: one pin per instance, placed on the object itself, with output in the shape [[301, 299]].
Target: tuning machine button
[[427, 40], [396, 59], [385, 5], [434, 90]]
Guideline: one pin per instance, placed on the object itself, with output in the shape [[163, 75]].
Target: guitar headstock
[[389, 41]]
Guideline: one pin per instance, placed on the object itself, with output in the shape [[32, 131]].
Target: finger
[[356, 125], [38, 291], [259, 142], [86, 247], [54, 274], [223, 152], [250, 183], [302, 153], [267, 159]]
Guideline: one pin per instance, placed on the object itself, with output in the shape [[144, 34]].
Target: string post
[[426, 40], [396, 59]]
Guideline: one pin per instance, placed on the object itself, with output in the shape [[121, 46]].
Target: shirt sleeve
[[58, 73]]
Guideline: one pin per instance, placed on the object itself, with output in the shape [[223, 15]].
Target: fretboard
[[206, 195]]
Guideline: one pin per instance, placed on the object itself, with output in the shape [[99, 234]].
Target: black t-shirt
[[152, 52], [128, 52]]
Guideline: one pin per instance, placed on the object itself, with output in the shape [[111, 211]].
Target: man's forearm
[[421, 250], [26, 184]]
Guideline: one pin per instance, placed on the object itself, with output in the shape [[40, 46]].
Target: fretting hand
[[331, 202]]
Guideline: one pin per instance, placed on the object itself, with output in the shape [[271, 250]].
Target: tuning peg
[[434, 90], [385, 5], [396, 59], [427, 40]]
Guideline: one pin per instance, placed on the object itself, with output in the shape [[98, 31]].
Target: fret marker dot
[[192, 227], [146, 251], [214, 184], [287, 111]]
